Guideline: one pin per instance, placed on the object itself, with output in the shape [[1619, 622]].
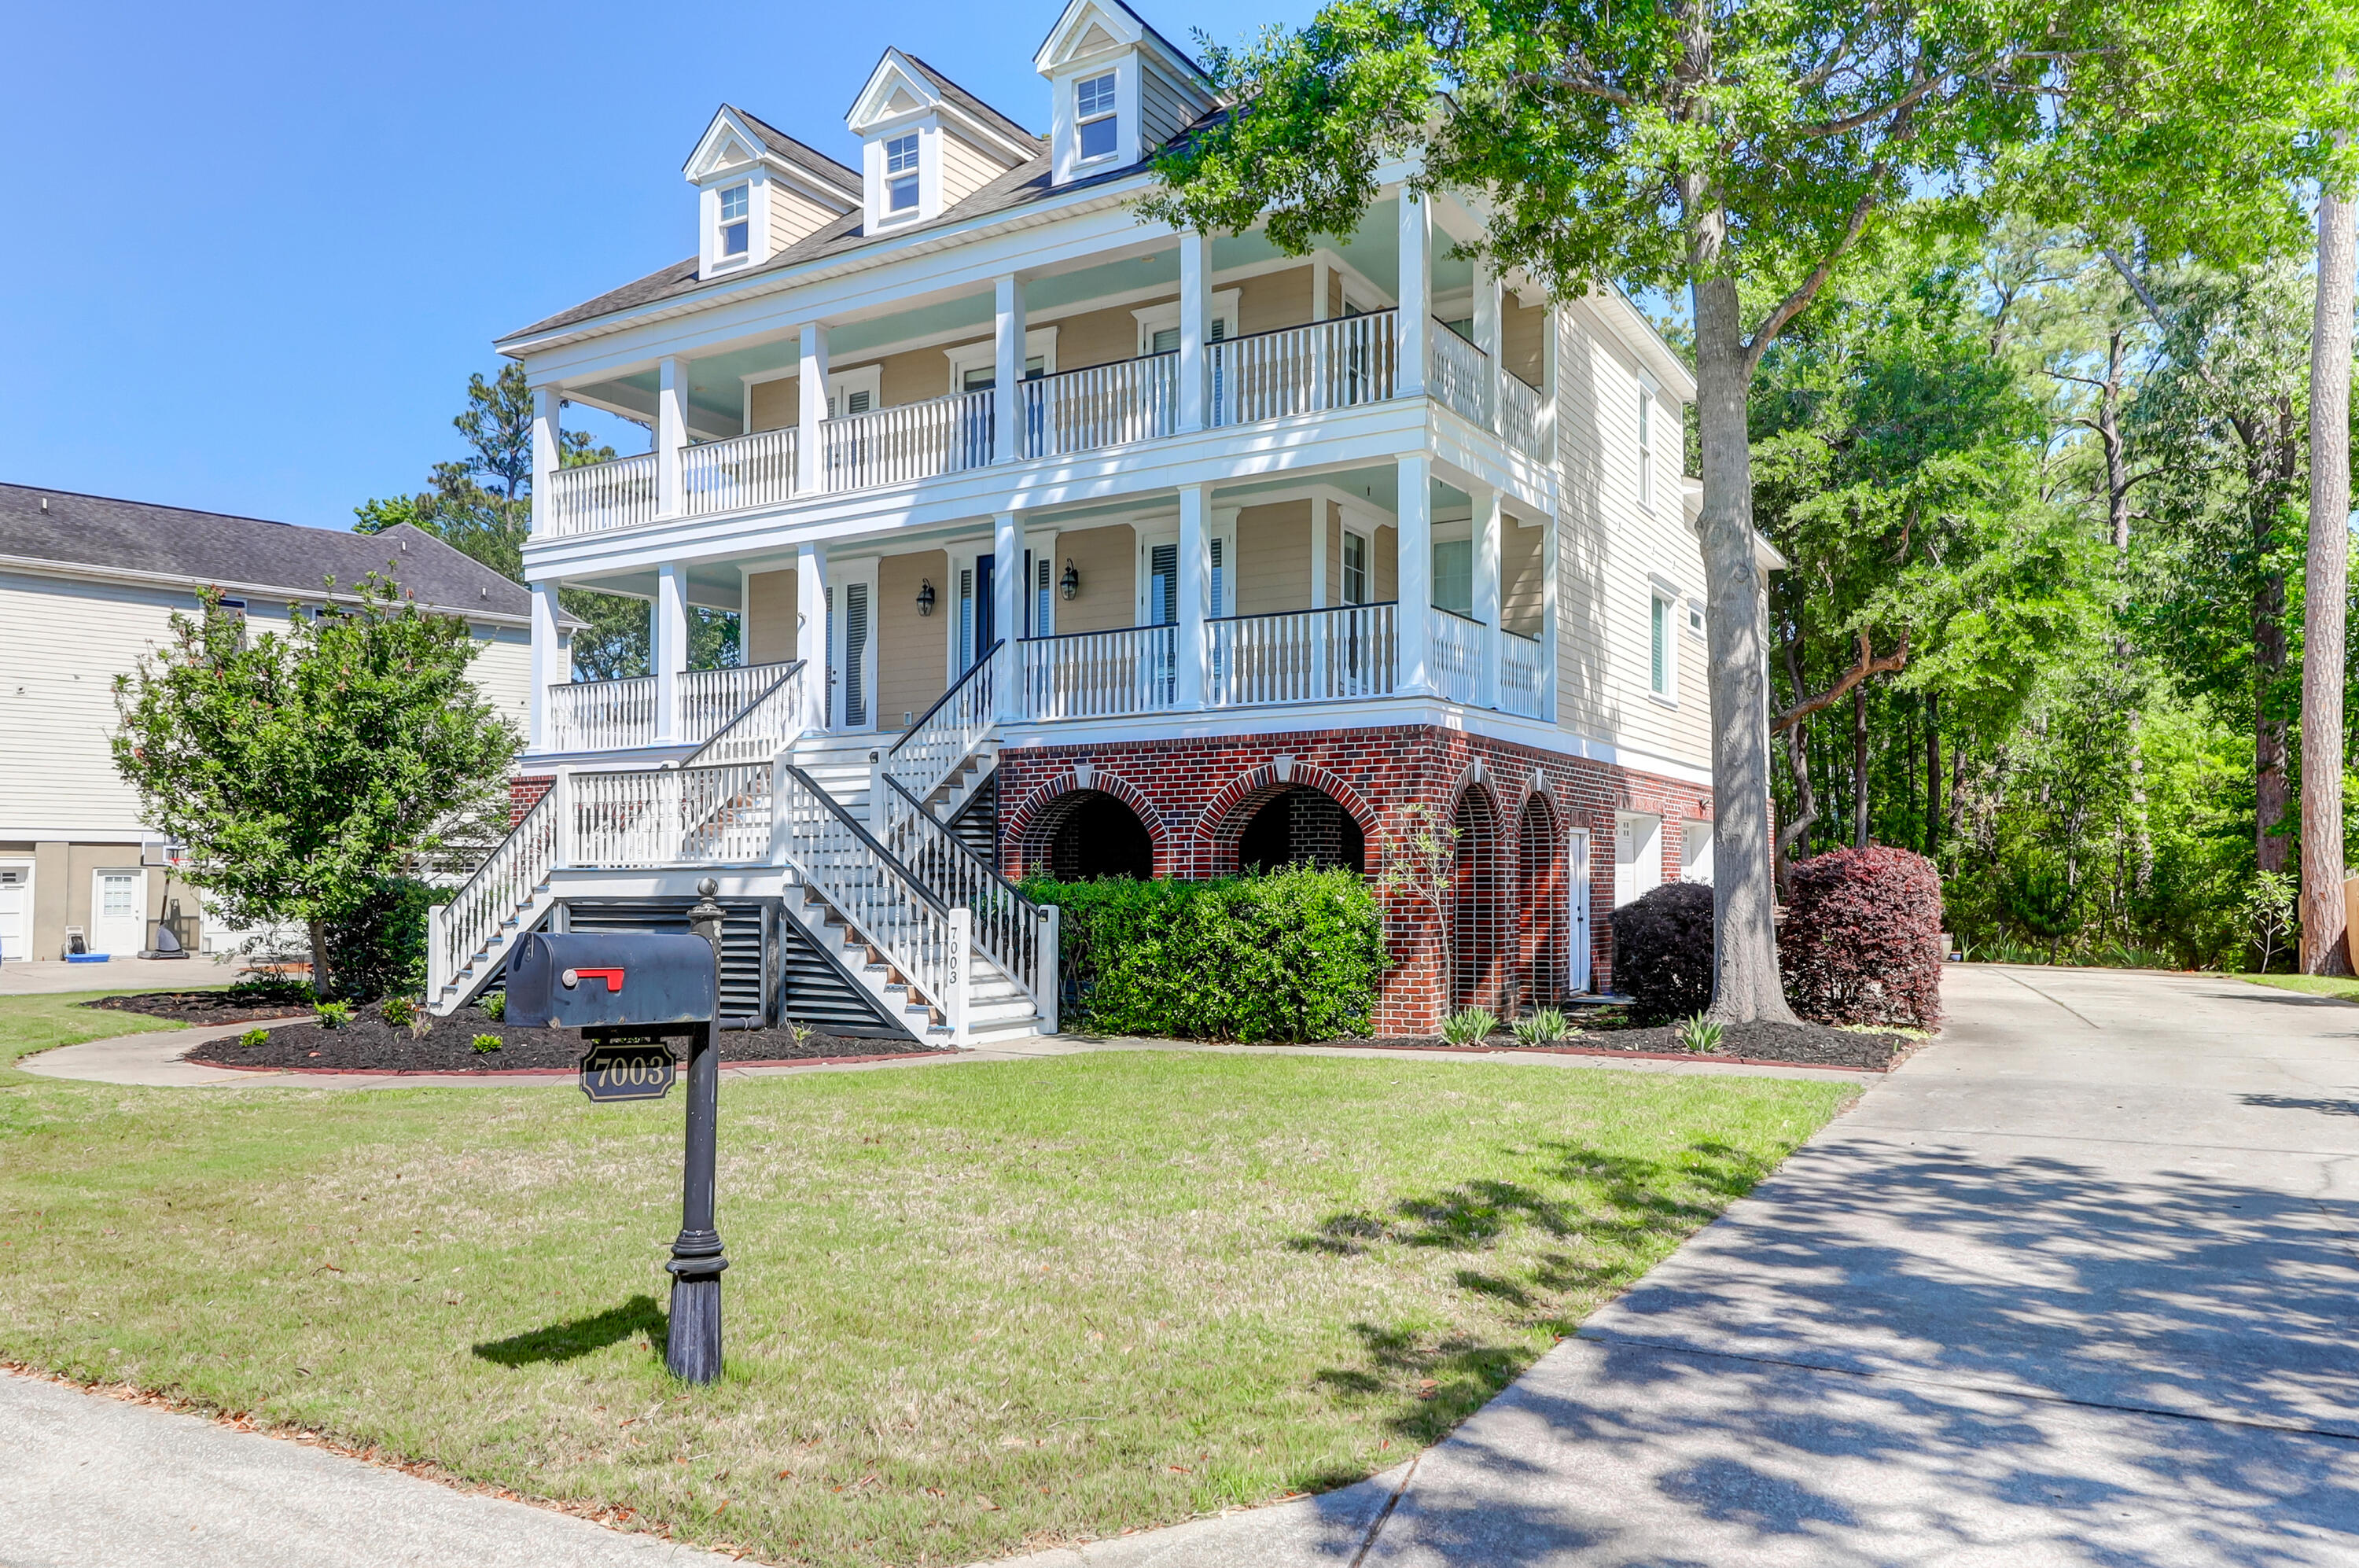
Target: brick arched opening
[[1283, 816], [1071, 828], [1480, 884], [1542, 919]]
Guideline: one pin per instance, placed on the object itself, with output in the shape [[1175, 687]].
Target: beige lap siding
[[1105, 559], [778, 404], [1522, 582], [770, 615], [912, 651], [1273, 564], [1271, 300]]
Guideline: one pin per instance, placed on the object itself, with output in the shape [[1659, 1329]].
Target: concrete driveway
[[2076, 1286]]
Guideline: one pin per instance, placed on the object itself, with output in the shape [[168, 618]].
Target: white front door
[[118, 909], [852, 594], [1576, 863], [16, 911]]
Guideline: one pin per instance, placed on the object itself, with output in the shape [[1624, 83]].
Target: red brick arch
[[1226, 816], [1025, 832]]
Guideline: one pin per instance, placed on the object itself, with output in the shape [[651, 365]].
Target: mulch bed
[[367, 1044], [200, 1007], [1759, 1045]]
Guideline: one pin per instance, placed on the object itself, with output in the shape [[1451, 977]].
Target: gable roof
[[798, 153], [1146, 28], [976, 106], [207, 548]]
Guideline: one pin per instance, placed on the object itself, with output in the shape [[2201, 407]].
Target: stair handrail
[[1018, 935], [744, 733], [931, 750], [886, 904], [466, 923]]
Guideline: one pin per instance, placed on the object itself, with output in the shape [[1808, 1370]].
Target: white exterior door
[[16, 911], [118, 908], [1637, 855], [853, 635], [1576, 881]]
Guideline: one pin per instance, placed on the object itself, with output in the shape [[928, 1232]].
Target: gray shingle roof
[[800, 153], [208, 547], [976, 106]]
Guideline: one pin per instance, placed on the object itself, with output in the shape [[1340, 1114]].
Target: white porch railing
[[1520, 685], [1519, 417], [1100, 675], [913, 440], [757, 470], [616, 494], [1105, 405], [1018, 935], [597, 715], [672, 816], [1460, 375], [766, 725], [709, 698], [931, 749], [1302, 656], [923, 939], [1299, 370], [506, 881], [1456, 662]]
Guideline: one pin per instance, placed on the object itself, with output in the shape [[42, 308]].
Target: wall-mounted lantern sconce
[[926, 597], [1070, 584]]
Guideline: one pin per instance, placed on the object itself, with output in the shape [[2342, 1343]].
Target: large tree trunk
[[2326, 585], [1747, 985], [1859, 766], [2272, 752], [319, 978]]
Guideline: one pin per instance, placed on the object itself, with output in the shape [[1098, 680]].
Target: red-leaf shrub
[[1662, 952], [1862, 942]]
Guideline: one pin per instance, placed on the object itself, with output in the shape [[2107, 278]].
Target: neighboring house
[[1066, 543], [87, 586]]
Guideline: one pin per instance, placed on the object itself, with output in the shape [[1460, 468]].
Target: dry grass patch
[[972, 1310]]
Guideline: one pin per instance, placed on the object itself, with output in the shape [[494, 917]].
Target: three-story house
[[1063, 542]]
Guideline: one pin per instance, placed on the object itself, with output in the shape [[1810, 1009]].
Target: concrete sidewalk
[[2079, 1285]]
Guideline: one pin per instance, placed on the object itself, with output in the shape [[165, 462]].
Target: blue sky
[[255, 250]]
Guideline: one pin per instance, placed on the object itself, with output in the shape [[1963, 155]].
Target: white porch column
[[1195, 331], [1195, 587], [1414, 572], [1416, 294], [810, 371], [810, 631], [671, 432], [546, 445], [548, 661], [1548, 397], [1008, 610], [670, 648], [1007, 369], [1487, 588], [1489, 339], [1547, 618]]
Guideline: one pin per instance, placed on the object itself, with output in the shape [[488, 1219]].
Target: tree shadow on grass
[[571, 1341]]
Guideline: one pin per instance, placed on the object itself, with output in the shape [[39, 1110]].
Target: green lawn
[[2337, 986], [973, 1310], [39, 1023]]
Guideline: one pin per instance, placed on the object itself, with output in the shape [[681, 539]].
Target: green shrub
[[1291, 955], [397, 1011], [1470, 1026], [1547, 1026], [496, 1007], [255, 1037], [268, 990], [335, 1015], [379, 948], [485, 1043], [1663, 952], [1701, 1034]]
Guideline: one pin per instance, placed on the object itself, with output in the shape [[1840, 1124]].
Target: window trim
[[1662, 647], [891, 181], [1367, 542], [1165, 316], [1111, 114], [741, 222], [1647, 486]]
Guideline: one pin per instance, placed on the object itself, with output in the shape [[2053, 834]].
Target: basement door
[[118, 908], [1576, 883]]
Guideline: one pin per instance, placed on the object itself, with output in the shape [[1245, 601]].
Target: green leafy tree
[[1740, 153], [304, 769]]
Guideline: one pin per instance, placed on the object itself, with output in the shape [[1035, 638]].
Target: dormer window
[[1093, 113], [901, 174], [736, 232]]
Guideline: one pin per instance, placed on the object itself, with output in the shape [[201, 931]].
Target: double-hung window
[[735, 229], [1093, 112], [1646, 448], [901, 174], [1661, 670], [1355, 568]]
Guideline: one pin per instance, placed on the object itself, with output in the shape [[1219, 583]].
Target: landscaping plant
[[255, 1037], [1470, 1026], [378, 947], [2269, 913], [485, 1043], [1700, 1034], [1862, 941], [397, 1012], [303, 767], [1547, 1026], [335, 1015], [421, 1023], [495, 1006], [1663, 952], [1288, 955]]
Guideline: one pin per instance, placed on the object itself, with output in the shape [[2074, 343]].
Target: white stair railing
[[1105, 405], [764, 728], [1457, 660], [1519, 675], [1096, 675], [598, 715], [1519, 417], [938, 744], [619, 493], [917, 933], [672, 816], [1018, 935], [1301, 656], [503, 885], [909, 441], [1460, 375], [710, 699], [731, 476], [1300, 370]]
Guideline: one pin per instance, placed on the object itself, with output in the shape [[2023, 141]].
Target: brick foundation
[[524, 794], [1512, 805]]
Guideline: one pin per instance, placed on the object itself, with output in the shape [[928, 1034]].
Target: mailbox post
[[635, 987]]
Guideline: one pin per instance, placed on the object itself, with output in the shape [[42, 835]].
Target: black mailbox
[[620, 980]]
